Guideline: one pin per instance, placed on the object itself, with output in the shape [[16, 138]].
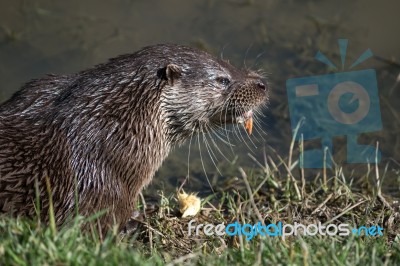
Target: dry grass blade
[[250, 193], [344, 212]]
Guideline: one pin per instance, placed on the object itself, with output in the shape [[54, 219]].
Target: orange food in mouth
[[247, 120], [248, 125]]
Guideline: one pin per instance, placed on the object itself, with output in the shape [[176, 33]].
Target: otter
[[91, 141]]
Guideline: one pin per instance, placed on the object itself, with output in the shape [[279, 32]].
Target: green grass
[[28, 243], [24, 242], [310, 251], [271, 193], [162, 237]]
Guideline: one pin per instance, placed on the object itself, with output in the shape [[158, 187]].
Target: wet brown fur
[[106, 130]]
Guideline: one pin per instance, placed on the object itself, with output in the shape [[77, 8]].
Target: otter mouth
[[247, 121]]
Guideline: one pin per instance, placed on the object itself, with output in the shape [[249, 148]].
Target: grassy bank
[[24, 243], [159, 235]]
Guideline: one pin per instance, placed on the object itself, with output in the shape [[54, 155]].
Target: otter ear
[[172, 72]]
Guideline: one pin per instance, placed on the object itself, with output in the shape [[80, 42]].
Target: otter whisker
[[258, 128], [221, 129], [219, 137], [236, 129], [259, 111], [188, 157], [211, 153], [219, 150], [224, 110], [258, 122], [202, 161], [245, 55], [256, 59], [260, 114], [223, 50]]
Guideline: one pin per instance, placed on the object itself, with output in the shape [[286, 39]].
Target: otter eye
[[223, 81]]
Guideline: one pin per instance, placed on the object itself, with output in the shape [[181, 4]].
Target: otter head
[[203, 93]]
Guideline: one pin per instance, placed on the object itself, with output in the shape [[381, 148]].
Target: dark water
[[280, 37]]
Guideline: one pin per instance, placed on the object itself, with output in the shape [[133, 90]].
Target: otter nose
[[261, 85]]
